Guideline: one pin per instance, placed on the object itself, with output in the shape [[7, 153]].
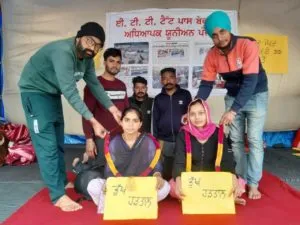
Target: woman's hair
[[194, 102], [132, 109]]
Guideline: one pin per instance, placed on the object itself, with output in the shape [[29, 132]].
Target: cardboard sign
[[130, 198], [273, 52], [207, 193]]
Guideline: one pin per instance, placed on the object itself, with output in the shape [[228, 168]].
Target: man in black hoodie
[[141, 100], [168, 108]]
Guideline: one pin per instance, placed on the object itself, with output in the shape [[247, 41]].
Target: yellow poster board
[[207, 193], [130, 198], [273, 52], [97, 60]]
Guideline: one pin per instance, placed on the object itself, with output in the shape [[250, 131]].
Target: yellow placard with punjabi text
[[273, 52], [130, 198], [97, 60], [207, 193]]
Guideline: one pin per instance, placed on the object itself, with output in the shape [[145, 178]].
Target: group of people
[[124, 135]]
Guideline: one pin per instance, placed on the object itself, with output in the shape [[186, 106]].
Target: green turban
[[218, 19]]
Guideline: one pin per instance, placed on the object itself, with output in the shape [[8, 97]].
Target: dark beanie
[[92, 29]]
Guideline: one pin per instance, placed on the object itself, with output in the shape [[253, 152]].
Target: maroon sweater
[[116, 91]]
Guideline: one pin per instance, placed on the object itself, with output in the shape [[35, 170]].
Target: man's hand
[[115, 112], [228, 117], [99, 130], [90, 148]]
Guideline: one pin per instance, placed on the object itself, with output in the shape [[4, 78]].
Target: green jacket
[[55, 69]]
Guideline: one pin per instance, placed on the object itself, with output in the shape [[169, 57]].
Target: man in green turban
[[236, 60]]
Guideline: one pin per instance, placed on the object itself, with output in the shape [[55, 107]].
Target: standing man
[[141, 100], [51, 72], [116, 90], [236, 59], [168, 108]]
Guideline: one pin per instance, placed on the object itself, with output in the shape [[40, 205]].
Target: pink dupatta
[[204, 133]]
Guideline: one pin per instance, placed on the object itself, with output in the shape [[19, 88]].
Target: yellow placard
[[98, 60], [130, 198], [207, 193], [273, 52]]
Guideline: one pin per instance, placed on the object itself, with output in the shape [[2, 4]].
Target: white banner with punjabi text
[[153, 39]]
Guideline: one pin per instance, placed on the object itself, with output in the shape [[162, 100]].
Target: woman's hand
[[160, 181], [178, 188], [104, 188]]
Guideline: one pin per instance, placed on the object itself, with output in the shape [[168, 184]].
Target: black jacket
[[203, 155], [146, 108], [167, 112]]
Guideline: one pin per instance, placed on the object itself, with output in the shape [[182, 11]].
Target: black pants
[[93, 164], [167, 158]]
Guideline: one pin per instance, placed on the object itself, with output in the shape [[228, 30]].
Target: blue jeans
[[251, 117]]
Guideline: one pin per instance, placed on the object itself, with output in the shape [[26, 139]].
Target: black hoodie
[[167, 112]]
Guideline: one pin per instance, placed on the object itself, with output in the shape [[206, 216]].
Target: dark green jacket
[[55, 69]]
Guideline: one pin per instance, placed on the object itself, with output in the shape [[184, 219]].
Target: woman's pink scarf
[[207, 131]]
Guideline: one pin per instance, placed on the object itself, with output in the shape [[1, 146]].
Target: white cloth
[[95, 187]]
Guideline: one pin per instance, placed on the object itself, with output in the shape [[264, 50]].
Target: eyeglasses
[[91, 43]]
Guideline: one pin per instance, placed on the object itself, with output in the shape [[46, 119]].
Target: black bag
[[82, 180]]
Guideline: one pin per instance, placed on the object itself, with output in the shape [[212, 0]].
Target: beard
[[224, 48], [84, 53], [140, 94], [113, 71]]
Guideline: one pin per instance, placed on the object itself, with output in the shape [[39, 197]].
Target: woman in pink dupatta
[[198, 141]]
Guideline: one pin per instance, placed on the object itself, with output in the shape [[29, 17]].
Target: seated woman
[[129, 154], [198, 142]]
